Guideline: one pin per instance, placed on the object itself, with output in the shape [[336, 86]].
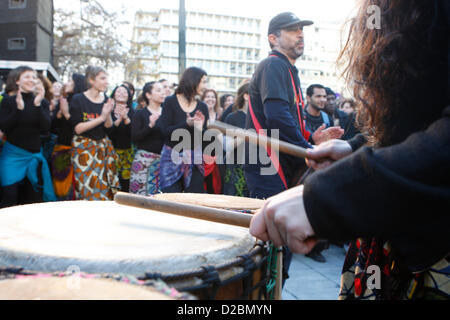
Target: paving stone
[[311, 280]]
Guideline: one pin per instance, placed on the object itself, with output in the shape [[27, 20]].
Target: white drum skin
[[105, 237]]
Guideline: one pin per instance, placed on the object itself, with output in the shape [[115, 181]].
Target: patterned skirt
[[124, 162], [145, 173], [395, 282], [94, 166], [176, 166], [234, 183], [62, 172]]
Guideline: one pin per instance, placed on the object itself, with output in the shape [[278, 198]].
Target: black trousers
[[22, 192], [125, 185], [19, 194], [196, 186]]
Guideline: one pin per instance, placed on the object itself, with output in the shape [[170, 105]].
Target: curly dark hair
[[398, 72]]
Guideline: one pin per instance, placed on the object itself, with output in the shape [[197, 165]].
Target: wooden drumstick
[[185, 210], [252, 137]]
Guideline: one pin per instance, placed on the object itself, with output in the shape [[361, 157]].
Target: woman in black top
[[93, 155], [61, 164], [48, 140], [120, 133], [148, 138], [213, 179], [183, 121], [23, 118], [234, 180]]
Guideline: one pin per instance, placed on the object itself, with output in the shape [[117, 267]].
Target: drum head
[[74, 289], [213, 201], [105, 237]]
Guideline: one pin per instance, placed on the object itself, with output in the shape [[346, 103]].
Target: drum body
[[209, 260], [74, 288]]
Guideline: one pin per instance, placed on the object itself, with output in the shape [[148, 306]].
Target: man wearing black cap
[[276, 103]]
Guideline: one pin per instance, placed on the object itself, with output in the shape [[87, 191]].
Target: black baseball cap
[[285, 20]]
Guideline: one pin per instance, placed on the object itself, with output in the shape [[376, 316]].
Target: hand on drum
[[283, 220], [327, 153]]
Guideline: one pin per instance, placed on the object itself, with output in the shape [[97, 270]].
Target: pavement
[[311, 280]]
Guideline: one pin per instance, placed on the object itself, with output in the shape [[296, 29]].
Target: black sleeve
[[168, 122], [278, 117], [139, 128], [76, 115], [45, 119], [56, 123], [230, 119], [400, 193], [357, 142], [204, 109], [9, 114], [273, 83]]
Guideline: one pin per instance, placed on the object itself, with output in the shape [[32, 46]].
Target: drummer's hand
[[327, 153], [283, 220]]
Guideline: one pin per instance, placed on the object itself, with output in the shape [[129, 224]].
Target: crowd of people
[[80, 141]]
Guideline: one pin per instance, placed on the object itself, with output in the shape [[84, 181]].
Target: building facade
[[228, 48], [26, 30], [318, 64]]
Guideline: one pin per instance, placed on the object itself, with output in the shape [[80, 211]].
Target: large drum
[[209, 260]]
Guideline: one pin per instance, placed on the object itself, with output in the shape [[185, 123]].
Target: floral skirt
[[124, 163], [94, 166], [234, 181], [145, 173], [62, 172]]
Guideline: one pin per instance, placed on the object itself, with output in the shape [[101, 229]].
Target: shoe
[[316, 256]]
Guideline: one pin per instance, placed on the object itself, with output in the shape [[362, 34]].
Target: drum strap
[[298, 100]]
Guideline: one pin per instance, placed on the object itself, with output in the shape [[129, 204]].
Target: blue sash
[[16, 164]]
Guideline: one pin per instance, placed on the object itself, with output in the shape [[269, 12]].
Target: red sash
[[258, 127]]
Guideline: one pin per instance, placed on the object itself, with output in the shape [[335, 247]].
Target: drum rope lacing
[[272, 264], [209, 274], [14, 273]]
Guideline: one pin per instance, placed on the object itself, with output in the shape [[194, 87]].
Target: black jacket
[[400, 193]]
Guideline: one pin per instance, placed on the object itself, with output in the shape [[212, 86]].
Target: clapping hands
[[107, 109], [19, 100], [323, 135], [153, 118], [197, 121], [40, 94]]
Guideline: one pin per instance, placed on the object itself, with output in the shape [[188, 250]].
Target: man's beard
[[316, 107], [295, 54]]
